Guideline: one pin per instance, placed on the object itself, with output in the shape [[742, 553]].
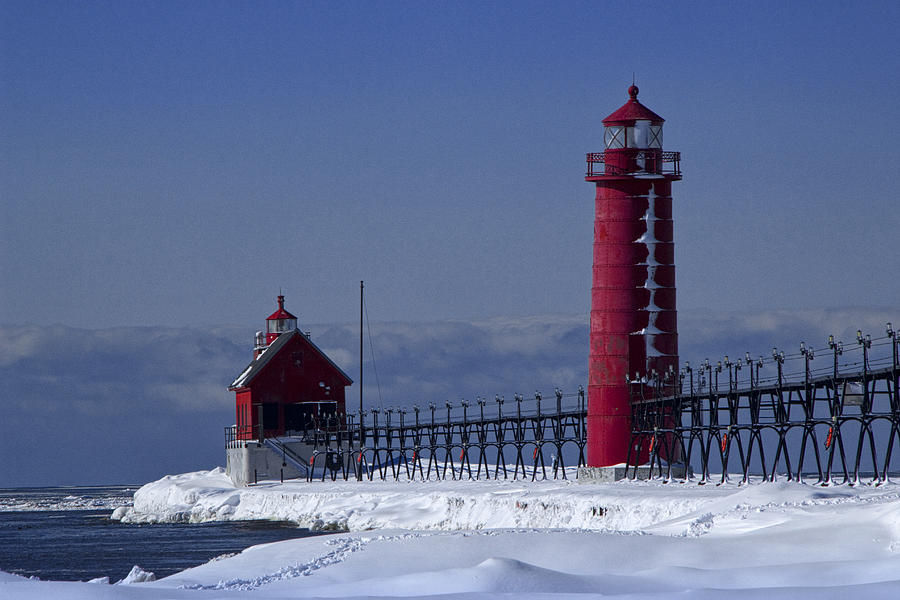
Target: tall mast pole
[[360, 349]]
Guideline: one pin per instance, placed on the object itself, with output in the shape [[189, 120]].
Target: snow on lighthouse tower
[[633, 324]]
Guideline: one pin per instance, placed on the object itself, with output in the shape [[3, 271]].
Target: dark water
[[66, 534]]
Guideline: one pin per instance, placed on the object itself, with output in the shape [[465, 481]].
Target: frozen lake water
[[66, 534]]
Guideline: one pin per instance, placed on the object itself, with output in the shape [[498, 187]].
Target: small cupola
[[633, 126], [280, 321]]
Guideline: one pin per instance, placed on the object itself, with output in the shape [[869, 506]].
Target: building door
[[270, 415]]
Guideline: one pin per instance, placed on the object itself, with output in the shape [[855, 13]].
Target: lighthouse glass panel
[[638, 136], [615, 137], [655, 136], [281, 325]]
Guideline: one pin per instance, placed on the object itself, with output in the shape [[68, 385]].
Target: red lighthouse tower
[[633, 324]]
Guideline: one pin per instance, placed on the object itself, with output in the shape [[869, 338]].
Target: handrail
[[235, 434], [630, 161], [300, 463]]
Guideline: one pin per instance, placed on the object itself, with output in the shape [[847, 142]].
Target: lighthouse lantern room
[[280, 321]]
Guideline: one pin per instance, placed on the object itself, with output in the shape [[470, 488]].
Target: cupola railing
[[631, 161]]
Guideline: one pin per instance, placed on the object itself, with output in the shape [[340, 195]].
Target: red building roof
[[280, 313], [274, 349], [632, 111]]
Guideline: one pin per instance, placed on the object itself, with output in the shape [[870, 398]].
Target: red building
[[634, 339], [291, 385]]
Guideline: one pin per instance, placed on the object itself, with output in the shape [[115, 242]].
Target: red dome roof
[[632, 111], [280, 313]]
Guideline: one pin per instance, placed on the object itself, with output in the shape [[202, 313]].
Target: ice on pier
[[136, 575]]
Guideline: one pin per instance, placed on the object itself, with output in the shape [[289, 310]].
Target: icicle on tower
[[633, 319]]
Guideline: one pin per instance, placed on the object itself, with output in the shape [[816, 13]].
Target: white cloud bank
[[127, 405]]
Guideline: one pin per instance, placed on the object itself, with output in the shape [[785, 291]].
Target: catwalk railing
[[533, 438], [815, 413]]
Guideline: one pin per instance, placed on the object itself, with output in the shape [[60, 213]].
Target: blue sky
[[178, 163], [166, 168]]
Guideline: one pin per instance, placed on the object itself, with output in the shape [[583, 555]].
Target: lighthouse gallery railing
[[631, 161]]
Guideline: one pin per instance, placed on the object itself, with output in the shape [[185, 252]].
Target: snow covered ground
[[529, 540]]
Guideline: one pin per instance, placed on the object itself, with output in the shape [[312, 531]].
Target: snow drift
[[530, 540]]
